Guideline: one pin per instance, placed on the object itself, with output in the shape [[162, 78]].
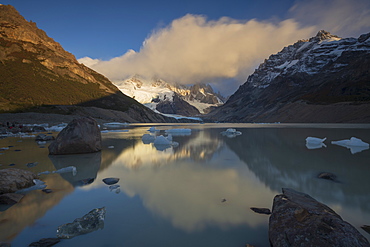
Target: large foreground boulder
[[80, 136], [13, 179], [299, 220]]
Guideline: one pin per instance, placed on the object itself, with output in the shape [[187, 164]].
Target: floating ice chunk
[[153, 129], [178, 132], [315, 145], [161, 140], [116, 124], [116, 131], [90, 222], [67, 169], [355, 145], [29, 165], [169, 137], [147, 138], [315, 140], [115, 188], [110, 147], [62, 170], [56, 128], [231, 133], [39, 185]]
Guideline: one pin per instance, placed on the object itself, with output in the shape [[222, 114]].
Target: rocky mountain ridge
[[322, 79], [169, 98], [37, 72]]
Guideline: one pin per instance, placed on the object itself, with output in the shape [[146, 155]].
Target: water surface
[[175, 196]]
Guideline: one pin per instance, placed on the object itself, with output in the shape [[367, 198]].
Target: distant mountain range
[[37, 74], [169, 98], [323, 79]]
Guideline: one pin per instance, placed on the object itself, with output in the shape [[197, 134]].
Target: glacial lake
[[197, 193]]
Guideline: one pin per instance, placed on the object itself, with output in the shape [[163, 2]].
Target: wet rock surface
[[261, 210], [12, 180], [299, 220], [10, 198], [90, 222], [45, 242], [110, 181], [80, 136]]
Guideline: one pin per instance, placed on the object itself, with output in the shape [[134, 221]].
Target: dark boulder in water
[[80, 136], [299, 220]]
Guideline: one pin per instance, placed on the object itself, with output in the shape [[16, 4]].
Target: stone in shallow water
[[110, 181], [90, 222], [45, 242]]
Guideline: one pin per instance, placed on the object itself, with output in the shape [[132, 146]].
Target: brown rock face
[[13, 179], [299, 220], [80, 136]]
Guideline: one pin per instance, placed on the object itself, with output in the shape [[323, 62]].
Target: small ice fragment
[[174, 131], [90, 222], [38, 182], [67, 169], [110, 146], [147, 138], [152, 129], [315, 140], [45, 172], [161, 140], [356, 145], [230, 133], [39, 185], [169, 137]]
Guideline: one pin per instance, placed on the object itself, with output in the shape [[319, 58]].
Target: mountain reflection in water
[[178, 192]]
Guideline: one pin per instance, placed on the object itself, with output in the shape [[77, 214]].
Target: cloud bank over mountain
[[224, 52]]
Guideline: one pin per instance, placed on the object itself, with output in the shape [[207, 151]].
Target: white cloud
[[346, 18], [193, 49]]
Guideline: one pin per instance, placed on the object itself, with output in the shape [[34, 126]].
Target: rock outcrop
[[80, 136], [324, 79], [12, 180], [299, 220], [40, 75]]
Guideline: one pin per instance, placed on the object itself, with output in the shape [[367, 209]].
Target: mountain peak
[[323, 35]]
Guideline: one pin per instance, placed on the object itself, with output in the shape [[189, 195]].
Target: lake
[[196, 193]]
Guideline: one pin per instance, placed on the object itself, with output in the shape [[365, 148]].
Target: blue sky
[[106, 29], [195, 41]]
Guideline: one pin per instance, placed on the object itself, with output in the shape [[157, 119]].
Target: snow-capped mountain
[[168, 98], [322, 79]]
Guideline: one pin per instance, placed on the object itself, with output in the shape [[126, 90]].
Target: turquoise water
[[175, 197]]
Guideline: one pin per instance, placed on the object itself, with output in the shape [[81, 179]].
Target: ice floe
[[231, 133], [178, 132], [62, 170], [315, 142], [153, 129], [107, 131], [39, 185], [147, 138], [355, 145]]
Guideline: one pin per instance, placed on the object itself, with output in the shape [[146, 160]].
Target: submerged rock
[[10, 198], [299, 220], [328, 176], [45, 242], [110, 181], [80, 136], [12, 180], [90, 222], [43, 137], [261, 210]]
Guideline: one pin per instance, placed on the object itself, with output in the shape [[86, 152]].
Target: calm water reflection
[[174, 197]]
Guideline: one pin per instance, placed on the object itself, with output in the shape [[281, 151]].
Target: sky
[[210, 41]]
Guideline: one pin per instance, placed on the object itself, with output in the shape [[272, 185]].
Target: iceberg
[[62, 170], [355, 145], [161, 140], [315, 143], [315, 140], [152, 129], [231, 133], [178, 132], [39, 185], [90, 222], [147, 138]]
